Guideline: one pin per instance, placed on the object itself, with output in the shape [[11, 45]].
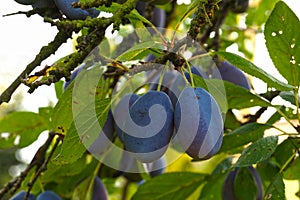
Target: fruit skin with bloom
[[228, 188], [198, 123], [230, 73], [65, 6], [99, 190], [21, 195], [48, 195], [158, 2], [148, 130]]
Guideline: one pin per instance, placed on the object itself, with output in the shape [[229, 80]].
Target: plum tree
[[232, 188], [231, 74], [21, 195], [99, 190], [148, 131], [48, 195], [198, 123], [65, 6]]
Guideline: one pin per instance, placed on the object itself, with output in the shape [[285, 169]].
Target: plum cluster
[[231, 187], [99, 193], [54, 8]]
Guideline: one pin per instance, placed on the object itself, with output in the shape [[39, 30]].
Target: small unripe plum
[[103, 141], [228, 188], [121, 112], [99, 190], [198, 123], [21, 195], [148, 131], [65, 6], [231, 74], [48, 195], [73, 76]]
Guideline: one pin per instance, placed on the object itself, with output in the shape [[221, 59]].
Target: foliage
[[64, 165]]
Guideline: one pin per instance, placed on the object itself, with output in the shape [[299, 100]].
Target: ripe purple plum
[[48, 195], [21, 195], [229, 191], [159, 16], [198, 123], [65, 6], [148, 130], [99, 190], [230, 73]]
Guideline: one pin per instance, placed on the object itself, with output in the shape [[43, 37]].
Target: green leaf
[[284, 151], [59, 88], [276, 189], [244, 185], [253, 70], [293, 172], [283, 42], [84, 190], [138, 49], [243, 135], [175, 186], [27, 125], [72, 149], [258, 151], [213, 188], [289, 96]]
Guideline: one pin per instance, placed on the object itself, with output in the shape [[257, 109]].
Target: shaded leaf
[[258, 151], [175, 186], [276, 189]]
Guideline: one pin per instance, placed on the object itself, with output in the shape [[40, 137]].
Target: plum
[[48, 195], [198, 123], [47, 8], [99, 190], [148, 130], [103, 141], [65, 6], [73, 76], [121, 112], [25, 2], [158, 2], [159, 16], [21, 195], [239, 6], [197, 71], [228, 188], [231, 74], [157, 167]]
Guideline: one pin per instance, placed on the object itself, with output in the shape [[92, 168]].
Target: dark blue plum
[[65, 6], [25, 2], [230, 73], [73, 76], [196, 71], [157, 167], [198, 123], [103, 141], [99, 190], [148, 130], [239, 6], [228, 188], [48, 195], [158, 2], [121, 112], [21, 195], [159, 16]]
